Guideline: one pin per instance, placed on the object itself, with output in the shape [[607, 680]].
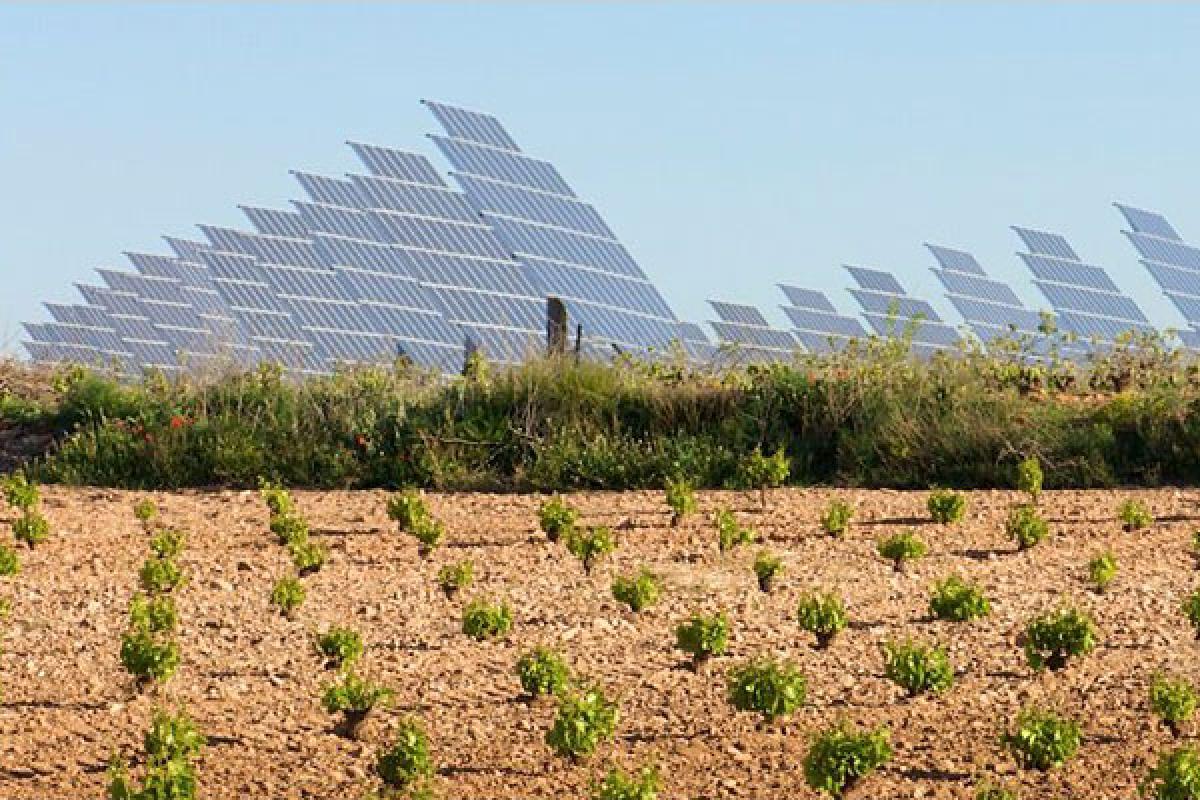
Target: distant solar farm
[[393, 263]]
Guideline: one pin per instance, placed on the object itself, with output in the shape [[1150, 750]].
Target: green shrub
[[9, 563], [991, 792], [1029, 478], [289, 528], [730, 533], [946, 507], [407, 761], [171, 745], [619, 785], [154, 614], [1134, 515], [1196, 547], [456, 577], [31, 528], [429, 533], [287, 595], [149, 657], [168, 544], [407, 509], [146, 512], [1191, 610], [917, 668], [279, 500], [590, 545], [483, 620], [1053, 638], [19, 492], [703, 637], [771, 688], [1102, 570], [354, 698], [681, 498], [638, 591], [836, 518], [956, 600], [900, 548], [1172, 701], [542, 672], [767, 568], [160, 575], [585, 718], [556, 518], [308, 556], [1026, 526], [1042, 739], [841, 756], [756, 471], [340, 647], [822, 614], [1176, 776]]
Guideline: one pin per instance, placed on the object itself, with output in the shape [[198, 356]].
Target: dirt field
[[252, 681]]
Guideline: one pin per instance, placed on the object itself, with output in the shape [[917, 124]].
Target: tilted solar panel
[[1173, 264], [891, 312]]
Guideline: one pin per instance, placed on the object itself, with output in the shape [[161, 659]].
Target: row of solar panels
[[377, 266], [1083, 299]]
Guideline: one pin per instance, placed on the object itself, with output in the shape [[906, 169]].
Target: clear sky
[[730, 146]]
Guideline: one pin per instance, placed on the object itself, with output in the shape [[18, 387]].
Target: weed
[[171, 745], [1042, 739], [542, 672], [31, 528], [730, 533], [154, 614], [556, 518], [287, 595], [454, 578], [841, 756], [407, 509], [900, 548], [767, 568], [148, 657], [1172, 701], [638, 591], [822, 614], [1029, 478], [956, 600], [19, 492], [340, 647], [160, 575], [1191, 610], [308, 556], [483, 620], [1026, 526], [1176, 776], [9, 563], [772, 688], [168, 543], [620, 785], [681, 498], [590, 545], [703, 637], [1053, 638], [408, 760], [354, 698], [917, 668], [946, 507], [1134, 515], [585, 718], [1102, 570], [836, 518]]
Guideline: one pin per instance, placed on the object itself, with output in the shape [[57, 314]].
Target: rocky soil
[[252, 681]]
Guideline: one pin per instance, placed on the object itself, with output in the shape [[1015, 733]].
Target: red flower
[[361, 441], [178, 421]]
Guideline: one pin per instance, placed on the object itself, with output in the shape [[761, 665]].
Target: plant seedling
[[767, 568], [900, 548], [453, 578], [991, 792], [289, 528], [171, 745], [1026, 526], [1191, 610], [1196, 547], [483, 620], [841, 756], [756, 471], [730, 534], [588, 546], [1029, 478], [308, 556], [619, 785], [822, 614], [340, 647], [946, 507], [835, 521], [638, 591], [585, 718], [408, 761], [681, 499], [407, 509], [19, 492], [168, 543], [1176, 776], [703, 637], [556, 518], [148, 657], [354, 698], [429, 533], [1052, 639], [160, 575], [917, 668], [287, 595], [146, 512], [1102, 570], [154, 614], [31, 528], [279, 500], [1042, 739], [542, 672], [1172, 701], [771, 688], [1134, 515], [956, 600], [9, 563]]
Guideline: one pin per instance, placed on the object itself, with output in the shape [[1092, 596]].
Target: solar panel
[[875, 280], [745, 337], [741, 314], [1174, 264], [991, 309], [891, 312], [807, 298]]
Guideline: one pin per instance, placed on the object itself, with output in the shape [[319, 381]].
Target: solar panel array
[[890, 311], [1174, 264], [816, 323], [990, 307], [746, 337], [1085, 300]]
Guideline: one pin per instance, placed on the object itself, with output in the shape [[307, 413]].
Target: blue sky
[[731, 147]]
